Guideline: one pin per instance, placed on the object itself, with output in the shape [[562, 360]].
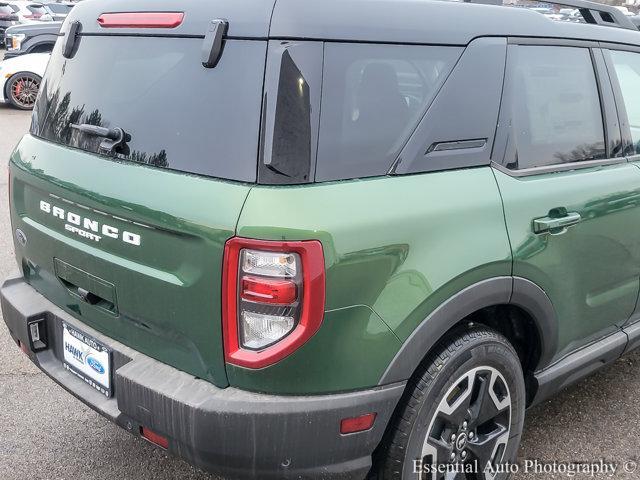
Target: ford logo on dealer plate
[[96, 365]]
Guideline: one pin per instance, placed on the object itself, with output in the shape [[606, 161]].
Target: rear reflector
[[141, 20], [154, 438], [357, 424]]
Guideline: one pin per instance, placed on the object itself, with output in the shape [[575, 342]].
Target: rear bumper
[[228, 431]]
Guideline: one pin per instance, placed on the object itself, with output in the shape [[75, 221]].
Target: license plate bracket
[[87, 358]]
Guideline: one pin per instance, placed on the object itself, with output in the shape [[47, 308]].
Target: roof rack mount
[[595, 13]]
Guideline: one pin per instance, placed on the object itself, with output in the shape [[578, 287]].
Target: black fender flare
[[493, 291]]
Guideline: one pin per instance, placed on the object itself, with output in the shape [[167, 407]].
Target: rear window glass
[[5, 9], [59, 8], [179, 115], [372, 98], [37, 9]]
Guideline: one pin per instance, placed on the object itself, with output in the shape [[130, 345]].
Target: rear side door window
[[555, 113], [627, 69]]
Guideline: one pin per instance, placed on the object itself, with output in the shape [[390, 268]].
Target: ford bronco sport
[[295, 239]]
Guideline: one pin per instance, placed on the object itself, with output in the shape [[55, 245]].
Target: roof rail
[[596, 13]]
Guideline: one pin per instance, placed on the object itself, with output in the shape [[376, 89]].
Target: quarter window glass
[[372, 98], [627, 66], [556, 116]]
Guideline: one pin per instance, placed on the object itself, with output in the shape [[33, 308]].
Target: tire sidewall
[[496, 353]]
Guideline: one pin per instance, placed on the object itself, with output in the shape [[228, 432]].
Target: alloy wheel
[[469, 432], [24, 90]]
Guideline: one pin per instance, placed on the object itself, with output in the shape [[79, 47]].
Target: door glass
[[555, 109], [627, 66]]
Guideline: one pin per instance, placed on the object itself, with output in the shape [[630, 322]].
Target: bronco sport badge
[[88, 228]]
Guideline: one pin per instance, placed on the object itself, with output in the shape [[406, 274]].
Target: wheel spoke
[[483, 447], [454, 408], [455, 475], [486, 404], [439, 449]]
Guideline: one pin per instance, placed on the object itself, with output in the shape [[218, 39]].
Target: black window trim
[[606, 92]]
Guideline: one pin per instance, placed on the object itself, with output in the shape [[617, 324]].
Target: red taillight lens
[[272, 300], [141, 19], [267, 290], [154, 438]]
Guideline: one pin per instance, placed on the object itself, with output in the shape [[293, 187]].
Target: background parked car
[[31, 12], [20, 79], [8, 18], [36, 37], [58, 10]]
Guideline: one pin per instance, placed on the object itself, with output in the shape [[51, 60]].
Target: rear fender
[[494, 291]]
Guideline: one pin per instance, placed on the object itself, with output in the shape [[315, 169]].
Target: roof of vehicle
[[402, 21], [426, 21], [36, 28]]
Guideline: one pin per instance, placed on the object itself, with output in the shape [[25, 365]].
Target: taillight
[[273, 296]]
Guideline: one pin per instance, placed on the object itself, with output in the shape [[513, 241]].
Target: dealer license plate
[[87, 358]]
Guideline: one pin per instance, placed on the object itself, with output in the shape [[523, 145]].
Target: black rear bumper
[[228, 431]]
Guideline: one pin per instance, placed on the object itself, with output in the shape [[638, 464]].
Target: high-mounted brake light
[[273, 297], [141, 19]]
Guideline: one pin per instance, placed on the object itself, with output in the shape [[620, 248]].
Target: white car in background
[[30, 11], [20, 79]]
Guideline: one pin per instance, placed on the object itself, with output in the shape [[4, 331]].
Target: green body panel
[[398, 246], [167, 291], [395, 248], [590, 271]]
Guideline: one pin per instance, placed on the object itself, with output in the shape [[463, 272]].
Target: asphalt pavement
[[47, 434]]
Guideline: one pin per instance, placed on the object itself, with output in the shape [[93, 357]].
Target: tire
[[22, 90], [445, 392]]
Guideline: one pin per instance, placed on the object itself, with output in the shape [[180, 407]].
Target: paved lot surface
[[46, 434]]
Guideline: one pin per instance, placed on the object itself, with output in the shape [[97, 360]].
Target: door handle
[[556, 226]]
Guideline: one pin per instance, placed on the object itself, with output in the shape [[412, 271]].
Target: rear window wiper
[[115, 139]]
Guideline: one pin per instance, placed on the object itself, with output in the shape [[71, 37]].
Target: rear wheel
[[22, 90], [462, 414]]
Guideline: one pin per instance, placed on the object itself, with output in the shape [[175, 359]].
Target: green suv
[[337, 238]]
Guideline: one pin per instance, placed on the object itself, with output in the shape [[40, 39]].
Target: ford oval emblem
[[96, 365], [21, 237]]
